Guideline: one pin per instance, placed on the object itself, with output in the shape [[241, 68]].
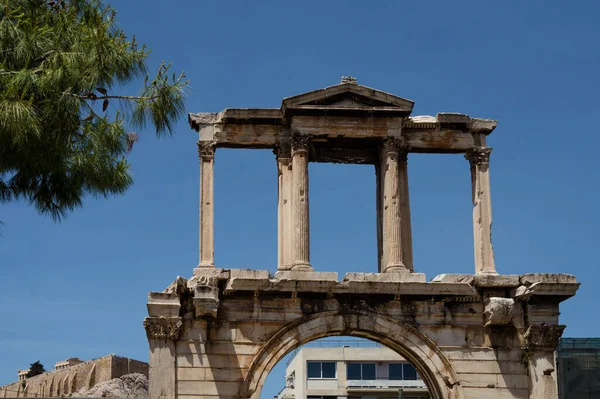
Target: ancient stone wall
[[218, 335], [81, 376]]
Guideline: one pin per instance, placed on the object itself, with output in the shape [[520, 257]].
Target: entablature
[[345, 116], [458, 286]]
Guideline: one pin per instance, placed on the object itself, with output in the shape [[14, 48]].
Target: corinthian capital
[[300, 142], [397, 146], [283, 150], [206, 149], [163, 327], [391, 144], [545, 336], [479, 156]]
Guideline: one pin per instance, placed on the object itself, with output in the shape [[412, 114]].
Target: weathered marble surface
[[347, 123], [470, 336]]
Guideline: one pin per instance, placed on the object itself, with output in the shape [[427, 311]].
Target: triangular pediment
[[347, 96]]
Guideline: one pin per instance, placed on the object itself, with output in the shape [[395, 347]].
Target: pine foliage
[[35, 368], [64, 122]]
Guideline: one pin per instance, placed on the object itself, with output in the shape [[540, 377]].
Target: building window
[[402, 371], [361, 371], [321, 369]]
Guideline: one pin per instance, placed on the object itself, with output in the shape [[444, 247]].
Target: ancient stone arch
[[431, 363], [485, 335]]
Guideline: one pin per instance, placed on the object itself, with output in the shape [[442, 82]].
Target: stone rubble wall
[[83, 376]]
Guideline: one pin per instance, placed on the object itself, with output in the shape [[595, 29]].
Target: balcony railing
[[358, 384]]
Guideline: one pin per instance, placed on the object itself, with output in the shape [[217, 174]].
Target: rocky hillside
[[128, 386]]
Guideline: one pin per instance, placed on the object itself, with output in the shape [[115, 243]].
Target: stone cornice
[[163, 327]]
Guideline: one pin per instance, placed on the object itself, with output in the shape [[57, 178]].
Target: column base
[[488, 273], [398, 268], [205, 264], [301, 267]]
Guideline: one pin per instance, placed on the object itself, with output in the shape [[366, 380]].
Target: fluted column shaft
[[406, 228], [379, 200], [479, 160], [301, 239], [284, 208], [206, 152], [392, 260]]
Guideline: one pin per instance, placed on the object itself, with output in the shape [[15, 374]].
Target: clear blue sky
[[79, 288]]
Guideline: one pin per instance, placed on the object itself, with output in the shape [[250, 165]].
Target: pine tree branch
[[5, 72], [107, 97], [92, 112]]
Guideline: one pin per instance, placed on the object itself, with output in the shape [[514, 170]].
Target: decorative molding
[[464, 298], [163, 327], [397, 146], [206, 149], [391, 144], [498, 311], [300, 142], [479, 156], [206, 296], [348, 79], [543, 336]]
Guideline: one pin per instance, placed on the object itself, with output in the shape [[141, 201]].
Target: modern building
[[578, 362], [340, 370]]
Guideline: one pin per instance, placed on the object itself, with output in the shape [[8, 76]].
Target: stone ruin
[[485, 335]]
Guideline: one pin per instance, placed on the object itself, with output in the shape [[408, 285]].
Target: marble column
[[206, 152], [378, 199], [162, 332], [301, 235], [392, 260], [406, 228], [479, 159], [284, 206], [540, 343]]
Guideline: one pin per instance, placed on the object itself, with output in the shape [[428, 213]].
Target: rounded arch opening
[[433, 367]]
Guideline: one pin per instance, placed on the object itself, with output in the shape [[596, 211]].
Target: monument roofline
[[347, 97], [274, 116], [346, 115]]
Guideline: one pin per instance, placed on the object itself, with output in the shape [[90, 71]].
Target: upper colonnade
[[354, 124]]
